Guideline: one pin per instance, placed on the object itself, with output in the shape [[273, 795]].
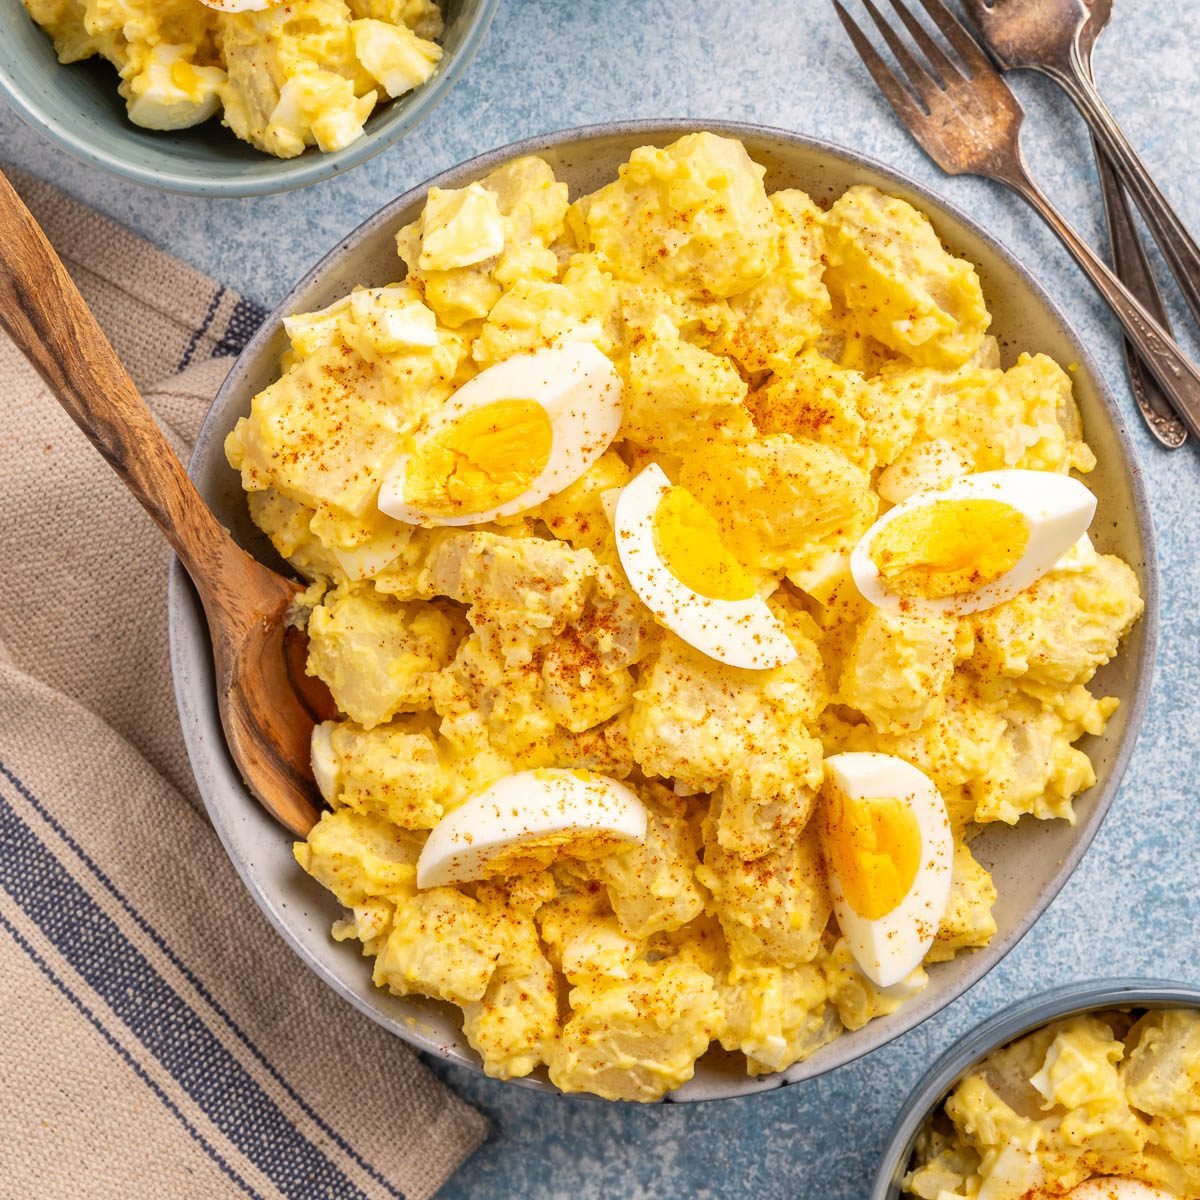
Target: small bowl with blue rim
[[77, 107]]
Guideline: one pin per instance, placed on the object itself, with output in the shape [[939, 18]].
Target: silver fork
[[1040, 35], [968, 121], [1043, 35]]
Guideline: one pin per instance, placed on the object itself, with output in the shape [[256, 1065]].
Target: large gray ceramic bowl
[[1030, 864], [1071, 1000], [78, 107]]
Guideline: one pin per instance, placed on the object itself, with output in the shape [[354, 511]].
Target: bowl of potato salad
[[735, 588], [232, 97], [1088, 1092]]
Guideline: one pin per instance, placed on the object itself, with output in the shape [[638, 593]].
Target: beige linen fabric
[[157, 1038]]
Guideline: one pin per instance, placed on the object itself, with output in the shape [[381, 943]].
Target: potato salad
[[1104, 1106], [693, 583], [282, 74]]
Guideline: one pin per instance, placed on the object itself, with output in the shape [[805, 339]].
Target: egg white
[[324, 761], [156, 101], [892, 946], [580, 391], [740, 633], [523, 808], [1056, 508]]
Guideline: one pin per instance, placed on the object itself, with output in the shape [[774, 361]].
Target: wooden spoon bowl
[[266, 702]]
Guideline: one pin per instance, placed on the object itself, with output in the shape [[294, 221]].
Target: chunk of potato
[[682, 398], [694, 215], [1062, 629], [967, 922], [777, 1016], [888, 266], [376, 654], [782, 313], [323, 434], [358, 856], [638, 1037], [515, 1025], [394, 770], [443, 944], [783, 503], [522, 592], [773, 909], [709, 726], [900, 665]]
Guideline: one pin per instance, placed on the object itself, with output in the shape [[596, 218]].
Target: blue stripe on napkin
[[242, 326], [128, 1058], [105, 880], [201, 329], [159, 1017], [239, 329]]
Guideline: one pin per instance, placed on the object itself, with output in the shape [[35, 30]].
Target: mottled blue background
[[1132, 906]]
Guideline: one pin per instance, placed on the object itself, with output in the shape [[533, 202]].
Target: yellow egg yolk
[[487, 457], [186, 78], [949, 547], [537, 853], [689, 543], [873, 846]]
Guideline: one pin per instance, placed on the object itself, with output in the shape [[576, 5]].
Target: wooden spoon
[[267, 723]]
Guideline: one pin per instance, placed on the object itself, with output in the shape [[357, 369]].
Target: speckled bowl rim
[[1036, 1010], [861, 1042], [271, 175]]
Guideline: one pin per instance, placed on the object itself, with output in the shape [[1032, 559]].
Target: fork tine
[[964, 44], [894, 91], [929, 47], [918, 77]]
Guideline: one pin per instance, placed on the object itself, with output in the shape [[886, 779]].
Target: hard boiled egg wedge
[[1117, 1187], [888, 852], [672, 553], [324, 761], [973, 544], [515, 435], [170, 92], [525, 821]]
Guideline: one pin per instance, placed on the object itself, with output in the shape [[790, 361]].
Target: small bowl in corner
[[77, 106], [1070, 1000]]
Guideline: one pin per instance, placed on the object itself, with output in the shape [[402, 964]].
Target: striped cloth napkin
[[157, 1038]]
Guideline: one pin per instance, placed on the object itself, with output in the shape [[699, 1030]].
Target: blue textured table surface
[[1133, 907]]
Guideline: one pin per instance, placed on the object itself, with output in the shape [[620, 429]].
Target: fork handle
[[1179, 379], [1130, 262], [1177, 244], [1133, 268]]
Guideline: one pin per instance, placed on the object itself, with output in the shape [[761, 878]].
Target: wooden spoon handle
[[44, 314]]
